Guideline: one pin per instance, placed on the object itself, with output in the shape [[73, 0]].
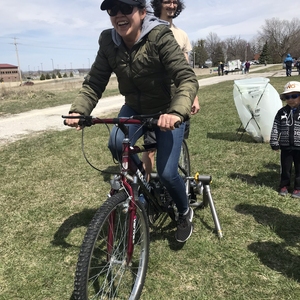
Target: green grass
[[49, 194], [277, 67]]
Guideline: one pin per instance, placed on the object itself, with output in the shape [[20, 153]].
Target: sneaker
[[296, 194], [283, 191], [184, 226]]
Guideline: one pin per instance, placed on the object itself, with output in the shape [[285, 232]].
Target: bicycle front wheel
[[103, 270], [184, 165]]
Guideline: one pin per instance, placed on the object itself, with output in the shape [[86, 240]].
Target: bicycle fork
[[131, 222]]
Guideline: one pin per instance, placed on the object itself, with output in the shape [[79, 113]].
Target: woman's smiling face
[[128, 26]]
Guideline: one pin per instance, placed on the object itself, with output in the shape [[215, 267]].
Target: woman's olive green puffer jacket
[[145, 74]]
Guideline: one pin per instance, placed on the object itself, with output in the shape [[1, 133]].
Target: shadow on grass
[[276, 256], [109, 171], [269, 178], [164, 229], [80, 219], [231, 136]]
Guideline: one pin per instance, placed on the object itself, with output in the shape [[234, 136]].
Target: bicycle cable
[[116, 162], [86, 158]]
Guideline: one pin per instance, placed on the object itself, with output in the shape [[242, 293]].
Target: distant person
[[247, 67], [243, 67], [167, 10], [285, 135], [221, 68], [288, 64]]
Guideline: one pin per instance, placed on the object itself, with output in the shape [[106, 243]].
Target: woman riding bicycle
[[154, 77]]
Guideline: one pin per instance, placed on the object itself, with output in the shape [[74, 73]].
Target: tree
[[48, 76], [211, 43], [65, 75], [42, 77], [199, 53], [218, 54], [53, 76], [238, 48], [282, 36], [265, 55]]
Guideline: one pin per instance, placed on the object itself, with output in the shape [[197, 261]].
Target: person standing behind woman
[[168, 10], [285, 135], [142, 52]]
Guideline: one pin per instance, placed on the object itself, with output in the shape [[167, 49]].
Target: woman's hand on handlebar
[[73, 122], [168, 121]]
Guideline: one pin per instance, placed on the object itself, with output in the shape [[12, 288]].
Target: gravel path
[[18, 126]]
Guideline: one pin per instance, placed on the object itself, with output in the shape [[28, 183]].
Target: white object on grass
[[257, 103]]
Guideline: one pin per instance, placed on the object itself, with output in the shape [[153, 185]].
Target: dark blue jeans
[[168, 152]]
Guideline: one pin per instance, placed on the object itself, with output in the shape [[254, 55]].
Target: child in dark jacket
[[285, 135]]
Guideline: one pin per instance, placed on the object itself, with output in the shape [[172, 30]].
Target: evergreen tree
[[265, 55], [65, 75], [199, 53], [42, 77], [48, 76], [217, 55], [53, 76]]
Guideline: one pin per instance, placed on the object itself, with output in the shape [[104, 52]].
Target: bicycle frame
[[131, 182]]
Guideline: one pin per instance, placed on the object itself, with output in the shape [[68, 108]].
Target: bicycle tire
[[184, 164], [106, 275]]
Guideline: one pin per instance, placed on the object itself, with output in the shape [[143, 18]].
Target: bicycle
[[114, 254]]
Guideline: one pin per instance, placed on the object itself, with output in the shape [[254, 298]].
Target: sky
[[63, 34]]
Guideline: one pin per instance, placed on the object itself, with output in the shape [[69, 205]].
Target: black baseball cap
[[107, 4]]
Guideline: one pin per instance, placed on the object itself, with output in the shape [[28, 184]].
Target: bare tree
[[256, 45], [211, 43], [282, 37], [237, 48]]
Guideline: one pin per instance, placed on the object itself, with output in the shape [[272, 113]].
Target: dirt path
[[18, 126]]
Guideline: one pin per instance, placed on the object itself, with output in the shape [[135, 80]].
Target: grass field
[[49, 194]]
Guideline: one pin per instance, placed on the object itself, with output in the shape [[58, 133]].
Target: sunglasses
[[124, 8], [294, 96], [167, 2]]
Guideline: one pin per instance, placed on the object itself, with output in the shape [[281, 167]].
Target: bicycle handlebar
[[147, 120]]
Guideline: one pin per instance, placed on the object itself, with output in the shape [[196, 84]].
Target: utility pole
[[52, 65], [246, 52], [194, 56], [19, 68]]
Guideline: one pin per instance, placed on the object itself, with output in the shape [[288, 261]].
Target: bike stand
[[202, 185]]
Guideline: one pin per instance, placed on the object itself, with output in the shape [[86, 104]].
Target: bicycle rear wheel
[[103, 271]]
